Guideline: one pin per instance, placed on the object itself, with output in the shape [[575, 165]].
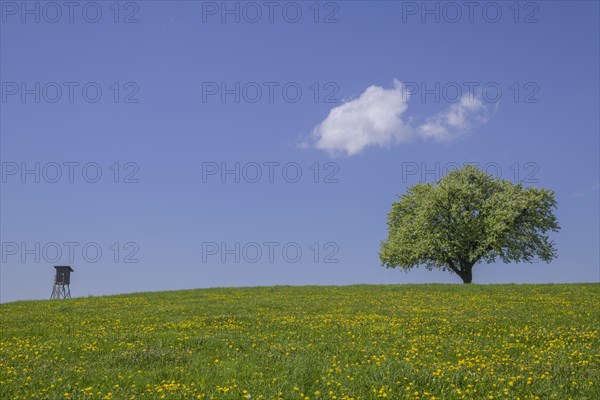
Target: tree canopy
[[466, 217]]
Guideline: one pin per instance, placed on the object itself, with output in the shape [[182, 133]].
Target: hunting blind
[[62, 280]]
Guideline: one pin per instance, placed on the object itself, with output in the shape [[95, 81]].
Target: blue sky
[[369, 99]]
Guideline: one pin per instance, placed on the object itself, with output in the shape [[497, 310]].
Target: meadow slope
[[360, 342]]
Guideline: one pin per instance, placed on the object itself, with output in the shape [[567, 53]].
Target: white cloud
[[372, 119], [459, 119], [377, 118]]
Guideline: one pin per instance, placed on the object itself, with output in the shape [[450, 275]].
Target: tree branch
[[453, 268]]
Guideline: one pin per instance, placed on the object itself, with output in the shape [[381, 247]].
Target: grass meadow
[[352, 342]]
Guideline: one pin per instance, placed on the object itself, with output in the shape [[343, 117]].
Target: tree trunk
[[464, 269], [467, 276], [466, 273]]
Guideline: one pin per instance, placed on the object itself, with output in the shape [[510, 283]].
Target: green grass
[[362, 342]]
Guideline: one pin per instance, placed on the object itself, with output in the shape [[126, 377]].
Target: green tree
[[466, 217]]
